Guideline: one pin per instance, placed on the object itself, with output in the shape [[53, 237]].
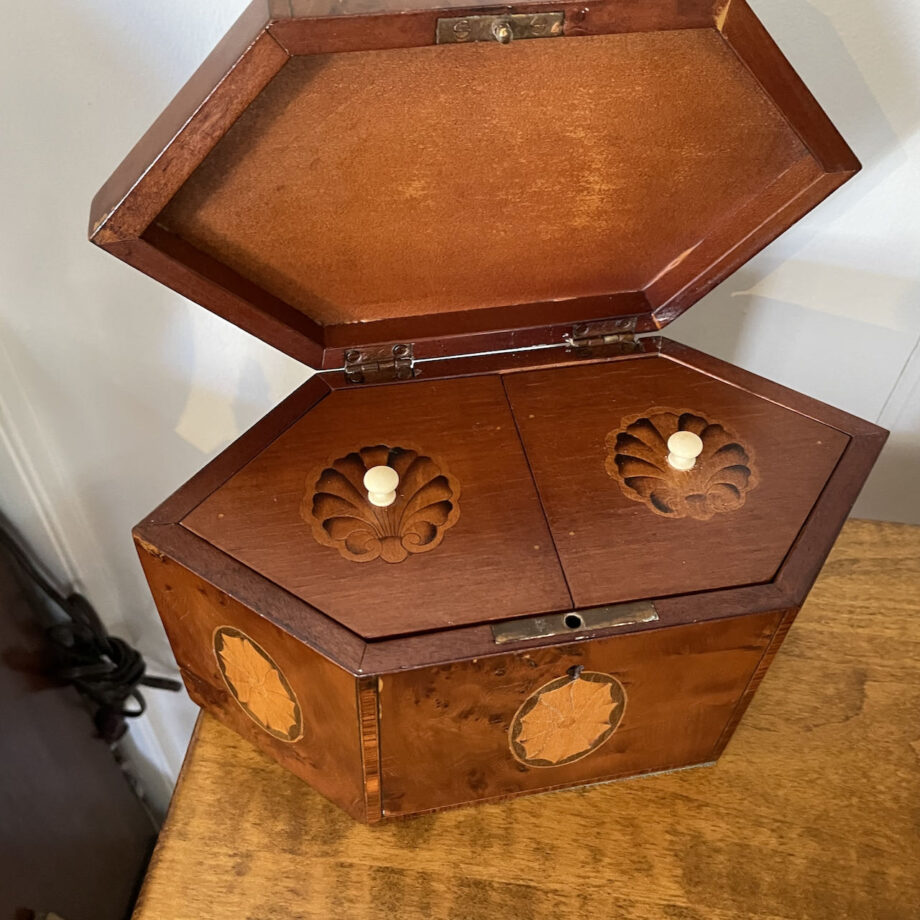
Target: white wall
[[113, 391]]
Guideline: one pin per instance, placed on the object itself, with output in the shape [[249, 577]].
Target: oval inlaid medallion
[[567, 719], [257, 684]]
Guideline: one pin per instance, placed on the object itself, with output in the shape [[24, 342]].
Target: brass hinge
[[503, 28], [614, 335], [380, 363]]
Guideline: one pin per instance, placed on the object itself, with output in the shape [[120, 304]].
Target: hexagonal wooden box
[[468, 217]]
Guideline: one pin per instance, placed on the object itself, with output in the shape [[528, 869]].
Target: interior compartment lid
[[332, 177]]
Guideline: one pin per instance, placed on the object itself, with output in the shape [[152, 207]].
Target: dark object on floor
[[105, 669], [74, 838]]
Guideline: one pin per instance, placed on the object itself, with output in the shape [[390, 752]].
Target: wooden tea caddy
[[466, 218]]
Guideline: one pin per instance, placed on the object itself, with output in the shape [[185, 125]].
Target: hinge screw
[[462, 30], [502, 32]]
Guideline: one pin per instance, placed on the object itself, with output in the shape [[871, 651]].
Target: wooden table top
[[812, 812]]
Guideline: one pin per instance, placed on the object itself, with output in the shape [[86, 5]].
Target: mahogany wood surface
[[369, 207], [809, 815], [616, 549], [760, 54], [316, 26], [496, 561], [239, 81], [226, 575], [444, 732], [425, 192], [248, 446], [793, 580]]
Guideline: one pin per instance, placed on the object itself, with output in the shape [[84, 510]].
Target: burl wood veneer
[[544, 600], [426, 708]]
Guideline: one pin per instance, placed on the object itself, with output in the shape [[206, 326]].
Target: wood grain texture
[[217, 95], [638, 460], [426, 505], [228, 576], [612, 547], [279, 694], [370, 746], [810, 814], [245, 448], [221, 62], [317, 26], [567, 719], [445, 732], [629, 14], [307, 237], [754, 46], [496, 561], [795, 574], [447, 200], [240, 302]]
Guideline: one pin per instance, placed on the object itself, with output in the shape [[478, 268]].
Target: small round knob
[[684, 447], [381, 483]]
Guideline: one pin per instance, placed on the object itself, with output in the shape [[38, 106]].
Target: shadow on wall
[[841, 314], [119, 390], [820, 55]]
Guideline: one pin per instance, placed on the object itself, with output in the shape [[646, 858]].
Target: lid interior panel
[[390, 184]]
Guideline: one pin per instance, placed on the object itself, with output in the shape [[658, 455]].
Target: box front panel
[[279, 694], [568, 715]]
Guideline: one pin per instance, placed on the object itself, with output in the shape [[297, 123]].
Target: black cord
[[104, 669]]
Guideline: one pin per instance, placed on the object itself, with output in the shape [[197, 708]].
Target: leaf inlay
[[257, 684], [567, 719]]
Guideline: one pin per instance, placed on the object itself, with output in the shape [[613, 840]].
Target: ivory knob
[[381, 483], [684, 447]]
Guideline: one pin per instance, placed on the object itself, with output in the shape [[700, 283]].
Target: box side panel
[[787, 618], [282, 696], [573, 714]]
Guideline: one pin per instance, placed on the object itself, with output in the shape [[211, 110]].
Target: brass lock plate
[[575, 623], [501, 29]]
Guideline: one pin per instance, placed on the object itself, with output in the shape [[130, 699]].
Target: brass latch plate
[[574, 623], [502, 28]]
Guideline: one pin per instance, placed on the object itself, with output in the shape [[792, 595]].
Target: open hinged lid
[[342, 175]]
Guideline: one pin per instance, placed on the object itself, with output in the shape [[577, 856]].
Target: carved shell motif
[[567, 718], [340, 515], [719, 482]]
